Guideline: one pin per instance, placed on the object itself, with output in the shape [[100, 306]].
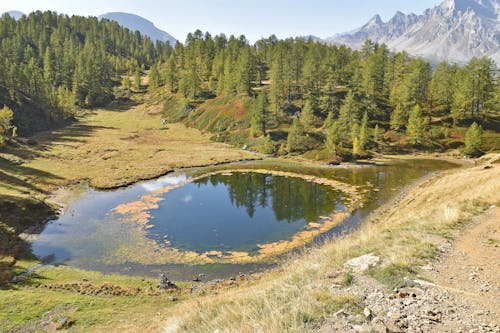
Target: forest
[[51, 65], [296, 94]]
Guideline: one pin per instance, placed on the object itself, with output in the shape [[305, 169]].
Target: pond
[[219, 220]]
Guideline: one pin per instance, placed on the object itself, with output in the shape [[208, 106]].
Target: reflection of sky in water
[[88, 229], [156, 184], [239, 211]]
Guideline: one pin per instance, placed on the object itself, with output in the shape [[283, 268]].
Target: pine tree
[[399, 117], [328, 121], [376, 134], [474, 141], [126, 84], [48, 68], [356, 148], [307, 114], [415, 130], [171, 77], [259, 115], [363, 132], [6, 116], [267, 146], [137, 79], [348, 117], [332, 139], [295, 138], [154, 78]]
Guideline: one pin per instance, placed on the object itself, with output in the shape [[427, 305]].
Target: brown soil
[[469, 270]]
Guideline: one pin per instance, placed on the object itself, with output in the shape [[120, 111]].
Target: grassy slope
[[297, 297], [107, 148]]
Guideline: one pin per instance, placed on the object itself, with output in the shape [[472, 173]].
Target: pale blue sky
[[253, 18]]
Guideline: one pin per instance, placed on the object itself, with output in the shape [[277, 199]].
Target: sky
[[253, 18]]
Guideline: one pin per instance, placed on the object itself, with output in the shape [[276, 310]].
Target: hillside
[[455, 31], [47, 75], [317, 292]]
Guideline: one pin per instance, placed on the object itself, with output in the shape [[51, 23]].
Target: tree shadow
[[18, 176]]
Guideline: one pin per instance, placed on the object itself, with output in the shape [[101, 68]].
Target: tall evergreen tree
[[474, 140], [415, 130], [363, 132], [295, 140], [307, 114]]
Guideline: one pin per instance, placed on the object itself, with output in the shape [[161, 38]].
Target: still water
[[221, 213]]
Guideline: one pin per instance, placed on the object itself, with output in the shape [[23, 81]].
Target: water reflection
[[227, 212], [240, 210]]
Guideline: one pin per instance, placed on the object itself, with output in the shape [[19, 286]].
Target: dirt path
[[470, 271]]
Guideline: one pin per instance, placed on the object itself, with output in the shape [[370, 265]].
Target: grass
[[44, 297], [106, 148], [296, 297]]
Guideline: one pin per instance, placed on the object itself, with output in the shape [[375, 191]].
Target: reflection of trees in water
[[291, 198]]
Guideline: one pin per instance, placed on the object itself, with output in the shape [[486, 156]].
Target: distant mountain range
[[455, 30], [15, 14], [130, 21], [136, 22]]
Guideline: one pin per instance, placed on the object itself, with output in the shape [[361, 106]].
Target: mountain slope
[[15, 14], [455, 30], [145, 27]]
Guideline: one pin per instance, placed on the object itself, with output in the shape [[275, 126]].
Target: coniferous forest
[[294, 94], [51, 64]]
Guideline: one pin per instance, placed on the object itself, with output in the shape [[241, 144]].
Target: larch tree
[[295, 136], [415, 130], [474, 141]]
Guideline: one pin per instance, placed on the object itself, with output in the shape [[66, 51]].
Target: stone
[[337, 276], [368, 314], [407, 292], [165, 283], [340, 313], [172, 298], [362, 263]]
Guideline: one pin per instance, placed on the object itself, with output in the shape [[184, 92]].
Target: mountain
[[15, 14], [145, 27], [455, 30]]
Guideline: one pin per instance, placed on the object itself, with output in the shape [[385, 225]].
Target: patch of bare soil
[[458, 292], [470, 271]]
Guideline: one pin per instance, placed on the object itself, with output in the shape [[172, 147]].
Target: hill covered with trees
[[344, 101], [50, 64], [275, 96]]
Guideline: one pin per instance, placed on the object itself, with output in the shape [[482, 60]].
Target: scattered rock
[[172, 298], [364, 262], [165, 283], [407, 292]]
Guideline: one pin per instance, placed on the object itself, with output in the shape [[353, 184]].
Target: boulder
[[362, 263]]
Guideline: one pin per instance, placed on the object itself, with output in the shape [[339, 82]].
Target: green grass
[[393, 274], [26, 304]]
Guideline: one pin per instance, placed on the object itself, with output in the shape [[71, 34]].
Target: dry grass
[[297, 298], [107, 148], [110, 148]]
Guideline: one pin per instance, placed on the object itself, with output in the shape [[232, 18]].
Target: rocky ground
[[458, 292]]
